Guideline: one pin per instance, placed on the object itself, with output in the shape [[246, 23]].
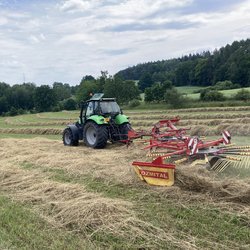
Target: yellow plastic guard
[[156, 172]]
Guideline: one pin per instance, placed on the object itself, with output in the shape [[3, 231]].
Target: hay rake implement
[[169, 147]]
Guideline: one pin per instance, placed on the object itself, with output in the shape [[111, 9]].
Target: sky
[[47, 41]]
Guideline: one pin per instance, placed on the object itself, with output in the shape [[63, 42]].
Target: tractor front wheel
[[95, 136], [68, 138]]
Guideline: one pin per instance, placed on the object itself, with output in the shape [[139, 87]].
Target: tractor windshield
[[109, 107]]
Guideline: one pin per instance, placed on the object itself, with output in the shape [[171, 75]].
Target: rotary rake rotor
[[169, 147]]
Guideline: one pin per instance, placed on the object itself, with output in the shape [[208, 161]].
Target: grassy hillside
[[190, 93], [188, 90]]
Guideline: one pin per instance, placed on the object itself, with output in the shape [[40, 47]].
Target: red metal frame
[[176, 140]]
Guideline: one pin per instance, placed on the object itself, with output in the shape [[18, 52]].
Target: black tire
[[95, 136], [68, 138], [212, 162], [124, 128]]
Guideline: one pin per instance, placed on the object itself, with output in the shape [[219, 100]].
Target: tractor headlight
[[107, 119]]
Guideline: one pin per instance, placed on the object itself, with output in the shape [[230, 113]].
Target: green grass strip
[[21, 228]]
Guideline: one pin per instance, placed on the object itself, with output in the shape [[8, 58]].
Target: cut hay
[[67, 114], [191, 110], [71, 207], [113, 166], [201, 181], [74, 208], [191, 116], [38, 124], [35, 131]]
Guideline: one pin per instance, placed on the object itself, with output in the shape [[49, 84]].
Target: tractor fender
[[121, 119], [98, 119], [75, 131]]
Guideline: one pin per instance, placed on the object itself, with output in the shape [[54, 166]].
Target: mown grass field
[[189, 92], [56, 197]]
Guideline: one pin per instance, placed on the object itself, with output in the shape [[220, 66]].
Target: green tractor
[[101, 120]]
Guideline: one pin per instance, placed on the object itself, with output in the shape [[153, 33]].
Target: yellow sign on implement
[[156, 172]]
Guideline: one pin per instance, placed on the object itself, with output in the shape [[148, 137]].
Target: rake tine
[[239, 147], [238, 153], [231, 158], [243, 163], [216, 164], [166, 157], [247, 161], [226, 165], [180, 161], [237, 150], [219, 166], [222, 166], [154, 154]]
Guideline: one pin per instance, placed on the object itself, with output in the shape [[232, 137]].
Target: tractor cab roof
[[98, 97]]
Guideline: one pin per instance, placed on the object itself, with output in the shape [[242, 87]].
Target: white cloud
[[77, 5], [3, 21], [64, 41], [136, 9], [78, 37]]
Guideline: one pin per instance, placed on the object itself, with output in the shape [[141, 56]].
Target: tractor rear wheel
[[68, 138], [95, 136]]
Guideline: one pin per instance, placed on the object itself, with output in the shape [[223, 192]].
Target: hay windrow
[[197, 180], [193, 110], [113, 165], [30, 124], [192, 116], [36, 131], [43, 116], [198, 129], [236, 129]]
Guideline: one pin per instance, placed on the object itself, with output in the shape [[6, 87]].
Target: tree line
[[112, 86], [20, 98], [229, 63], [27, 97]]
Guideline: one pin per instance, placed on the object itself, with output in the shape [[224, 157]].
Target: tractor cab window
[[90, 109], [109, 107]]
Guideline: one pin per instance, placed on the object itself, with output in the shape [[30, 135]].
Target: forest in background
[[156, 82], [231, 63]]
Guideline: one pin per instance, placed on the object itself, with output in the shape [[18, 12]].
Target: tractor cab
[[106, 107]]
